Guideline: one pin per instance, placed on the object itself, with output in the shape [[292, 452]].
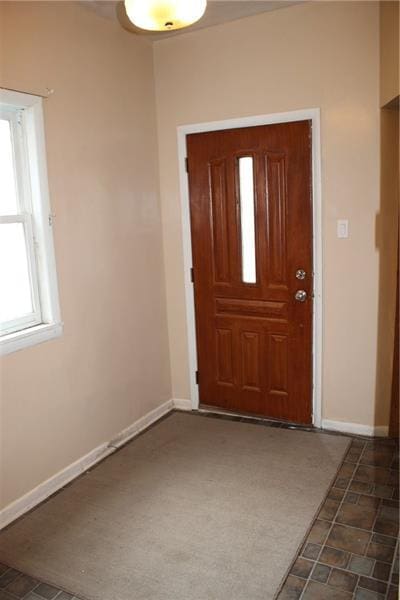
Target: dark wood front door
[[251, 225]]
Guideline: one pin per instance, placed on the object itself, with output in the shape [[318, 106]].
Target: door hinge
[[197, 377], [187, 165], [192, 274]]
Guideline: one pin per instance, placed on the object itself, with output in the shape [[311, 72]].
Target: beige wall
[[63, 398], [313, 55]]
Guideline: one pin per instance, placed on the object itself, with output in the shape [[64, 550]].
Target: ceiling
[[217, 12]]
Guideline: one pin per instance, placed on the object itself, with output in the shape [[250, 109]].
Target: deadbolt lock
[[300, 274]]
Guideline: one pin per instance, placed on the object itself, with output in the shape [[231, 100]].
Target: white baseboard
[[356, 428], [182, 404], [126, 434], [60, 479]]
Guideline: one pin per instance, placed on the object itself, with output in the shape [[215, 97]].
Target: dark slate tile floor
[[17, 586], [352, 548]]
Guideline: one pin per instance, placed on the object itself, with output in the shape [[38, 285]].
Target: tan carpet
[[194, 509]]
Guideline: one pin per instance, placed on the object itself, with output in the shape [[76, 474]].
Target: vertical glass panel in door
[[15, 281], [247, 224], [8, 187]]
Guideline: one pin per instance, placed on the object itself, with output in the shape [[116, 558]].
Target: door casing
[[312, 114]]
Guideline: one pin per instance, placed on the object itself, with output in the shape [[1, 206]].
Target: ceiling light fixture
[[164, 15]]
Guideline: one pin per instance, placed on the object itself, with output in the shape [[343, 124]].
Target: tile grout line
[[304, 541], [371, 532], [39, 583], [392, 564], [389, 583], [372, 528], [333, 521]]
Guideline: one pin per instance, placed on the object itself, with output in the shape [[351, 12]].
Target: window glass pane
[[15, 295], [8, 188], [246, 187]]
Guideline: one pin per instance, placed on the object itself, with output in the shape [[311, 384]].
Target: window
[[29, 308], [247, 225]]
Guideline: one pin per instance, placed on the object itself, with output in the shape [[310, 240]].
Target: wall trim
[[326, 424], [182, 403], [356, 428], [312, 114], [66, 475], [148, 419], [29, 337]]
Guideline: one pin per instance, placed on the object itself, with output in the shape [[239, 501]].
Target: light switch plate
[[343, 228]]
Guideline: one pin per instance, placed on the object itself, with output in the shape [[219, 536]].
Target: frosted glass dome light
[[164, 15]]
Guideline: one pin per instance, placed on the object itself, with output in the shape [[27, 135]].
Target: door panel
[[251, 222], [220, 223], [276, 219]]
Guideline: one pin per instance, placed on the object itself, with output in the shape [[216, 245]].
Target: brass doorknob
[[301, 296]]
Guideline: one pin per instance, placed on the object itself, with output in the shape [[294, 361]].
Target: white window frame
[[25, 113]]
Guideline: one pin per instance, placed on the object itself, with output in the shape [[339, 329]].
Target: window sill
[[29, 337]]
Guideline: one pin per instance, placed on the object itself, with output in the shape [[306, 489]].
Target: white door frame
[[312, 114]]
